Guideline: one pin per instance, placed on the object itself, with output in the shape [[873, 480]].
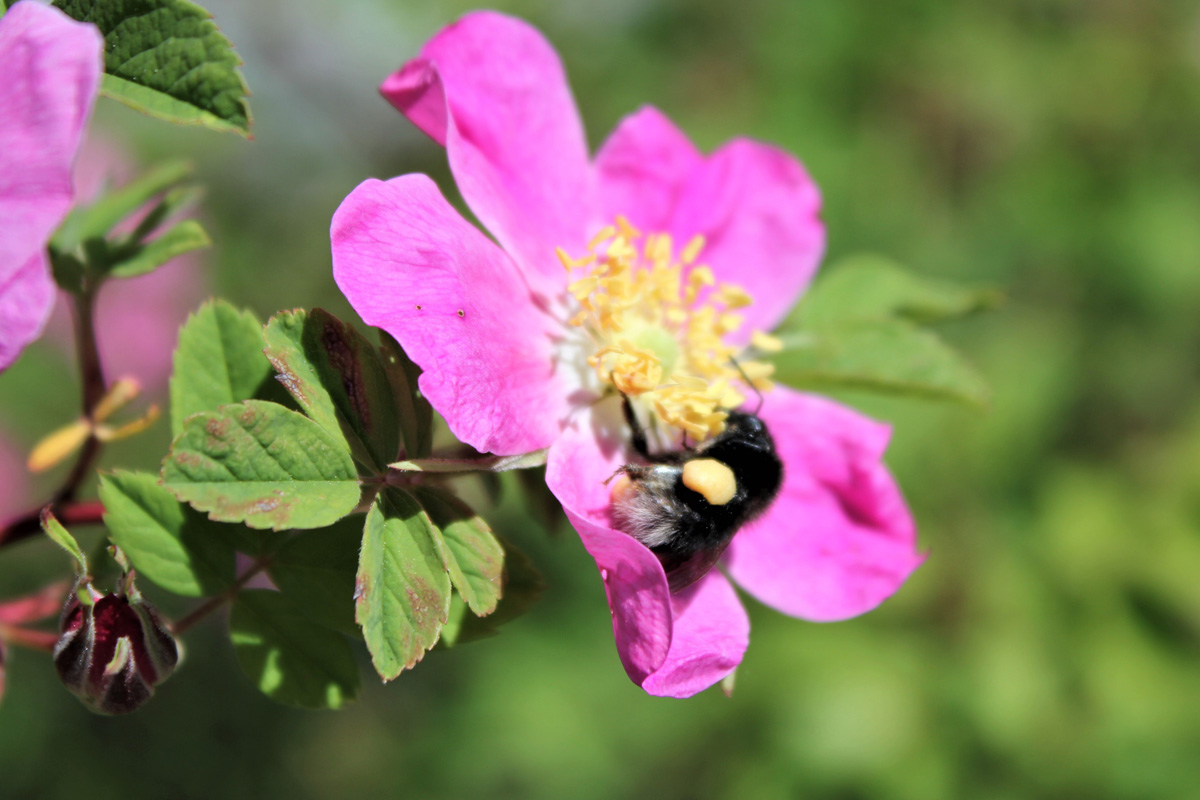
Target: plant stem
[[213, 603], [91, 374], [35, 640]]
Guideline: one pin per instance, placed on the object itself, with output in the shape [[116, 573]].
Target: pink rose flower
[[52, 75], [519, 354]]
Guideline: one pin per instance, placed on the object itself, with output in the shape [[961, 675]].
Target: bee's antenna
[[749, 383]]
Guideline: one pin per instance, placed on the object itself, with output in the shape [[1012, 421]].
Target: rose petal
[[51, 77], [409, 264], [641, 170], [758, 211], [493, 91], [709, 637], [839, 540], [587, 453]]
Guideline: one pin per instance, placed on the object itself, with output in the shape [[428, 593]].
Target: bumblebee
[[686, 505]]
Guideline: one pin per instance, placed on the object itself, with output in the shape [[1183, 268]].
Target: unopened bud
[[113, 651]]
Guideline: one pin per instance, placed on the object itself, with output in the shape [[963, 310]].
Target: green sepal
[[63, 538], [288, 656]]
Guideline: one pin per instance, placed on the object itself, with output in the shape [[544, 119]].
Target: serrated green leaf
[[403, 591], [289, 657], [887, 356], [219, 360], [469, 550], [138, 259], [337, 377], [523, 586], [63, 538], [316, 570], [412, 409], [166, 58], [172, 545], [872, 287], [264, 465]]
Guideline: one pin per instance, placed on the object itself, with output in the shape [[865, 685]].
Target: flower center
[[658, 324]]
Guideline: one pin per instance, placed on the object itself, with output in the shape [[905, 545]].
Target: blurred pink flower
[[52, 76], [496, 331]]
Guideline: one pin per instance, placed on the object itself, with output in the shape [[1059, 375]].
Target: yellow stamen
[[660, 333]]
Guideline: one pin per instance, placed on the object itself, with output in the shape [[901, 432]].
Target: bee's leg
[[637, 434]]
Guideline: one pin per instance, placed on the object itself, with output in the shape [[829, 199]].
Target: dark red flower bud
[[113, 652]]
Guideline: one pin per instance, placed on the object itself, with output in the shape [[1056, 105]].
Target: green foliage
[[167, 59], [339, 379], [218, 360], [264, 465], [412, 409], [468, 548], [63, 538], [90, 247], [289, 657], [175, 547], [403, 590], [522, 585], [316, 570], [859, 328]]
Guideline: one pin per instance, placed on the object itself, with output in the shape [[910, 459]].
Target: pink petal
[[493, 91], [710, 635], [51, 76], [586, 454], [759, 213], [641, 170], [409, 264], [839, 540], [670, 645]]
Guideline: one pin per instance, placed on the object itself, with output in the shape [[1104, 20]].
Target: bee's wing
[[685, 573]]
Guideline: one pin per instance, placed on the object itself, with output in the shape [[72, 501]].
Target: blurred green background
[[1050, 646]]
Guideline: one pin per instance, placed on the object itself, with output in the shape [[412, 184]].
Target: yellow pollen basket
[[659, 322]]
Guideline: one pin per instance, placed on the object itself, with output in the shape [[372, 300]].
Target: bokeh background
[[1050, 646]]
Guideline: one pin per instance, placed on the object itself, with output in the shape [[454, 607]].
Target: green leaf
[[167, 542], [523, 586], [403, 591], [219, 360], [887, 356], [98, 219], [413, 410], [316, 570], [289, 657], [63, 538], [338, 378], [872, 287], [858, 329], [469, 550], [264, 465], [143, 257], [167, 59]]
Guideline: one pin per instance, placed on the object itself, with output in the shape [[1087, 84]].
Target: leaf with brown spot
[[339, 379], [473, 557], [264, 465], [412, 409], [403, 590]]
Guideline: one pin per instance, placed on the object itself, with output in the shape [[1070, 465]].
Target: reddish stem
[[213, 603], [34, 640]]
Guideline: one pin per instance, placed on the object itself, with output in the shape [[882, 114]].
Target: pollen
[[660, 323], [710, 479]]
